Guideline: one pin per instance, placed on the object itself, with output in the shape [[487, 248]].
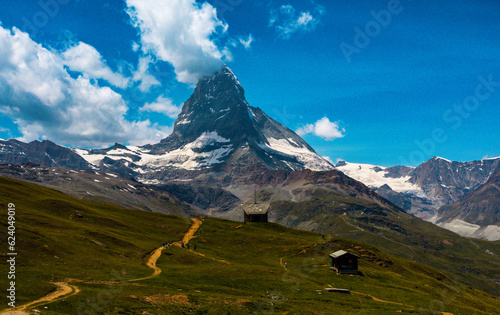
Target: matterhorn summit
[[217, 130]]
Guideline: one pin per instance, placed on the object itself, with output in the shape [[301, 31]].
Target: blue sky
[[381, 82]]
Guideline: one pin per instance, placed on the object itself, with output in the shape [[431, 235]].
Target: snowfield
[[375, 176], [490, 232], [187, 157], [288, 147]]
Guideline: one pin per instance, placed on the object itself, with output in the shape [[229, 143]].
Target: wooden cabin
[[255, 212], [344, 262]]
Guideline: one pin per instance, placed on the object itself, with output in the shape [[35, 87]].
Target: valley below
[[114, 260]]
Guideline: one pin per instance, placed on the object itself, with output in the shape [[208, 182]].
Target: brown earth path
[[153, 258], [151, 263], [190, 235], [65, 289]]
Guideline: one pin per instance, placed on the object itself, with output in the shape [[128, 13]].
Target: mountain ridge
[[432, 186]]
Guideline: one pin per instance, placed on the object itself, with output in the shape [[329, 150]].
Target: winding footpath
[[190, 235], [153, 258], [65, 290]]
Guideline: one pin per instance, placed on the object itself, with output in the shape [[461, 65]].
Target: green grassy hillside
[[471, 261], [237, 268]]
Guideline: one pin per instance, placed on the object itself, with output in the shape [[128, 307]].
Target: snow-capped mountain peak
[[216, 127]]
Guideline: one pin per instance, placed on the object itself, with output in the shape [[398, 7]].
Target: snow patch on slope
[[93, 159], [374, 177], [493, 158], [288, 147], [440, 158], [466, 229], [191, 156]]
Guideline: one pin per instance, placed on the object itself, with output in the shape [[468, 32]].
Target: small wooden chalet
[[255, 212], [344, 262]]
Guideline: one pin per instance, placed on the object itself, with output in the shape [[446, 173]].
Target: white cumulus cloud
[[87, 60], [45, 102], [323, 128], [162, 105], [182, 32], [287, 21]]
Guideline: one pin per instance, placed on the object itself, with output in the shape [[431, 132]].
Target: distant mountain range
[[427, 190], [222, 150]]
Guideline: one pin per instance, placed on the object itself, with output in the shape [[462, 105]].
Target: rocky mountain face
[[437, 183], [45, 153], [434, 183], [217, 130], [477, 214], [444, 181]]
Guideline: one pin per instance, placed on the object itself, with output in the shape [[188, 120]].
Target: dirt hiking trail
[[190, 235], [153, 258], [64, 289]]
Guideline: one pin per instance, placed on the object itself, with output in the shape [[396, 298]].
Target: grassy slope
[[109, 243], [470, 261], [53, 243]]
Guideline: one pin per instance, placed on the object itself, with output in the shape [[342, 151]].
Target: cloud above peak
[[184, 33], [162, 105], [46, 102], [87, 60], [287, 21], [323, 128]]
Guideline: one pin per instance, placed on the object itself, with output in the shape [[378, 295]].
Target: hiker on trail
[[168, 246], [182, 244], [163, 245], [188, 245], [286, 264]]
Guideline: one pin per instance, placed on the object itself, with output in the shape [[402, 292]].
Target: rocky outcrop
[[45, 153]]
